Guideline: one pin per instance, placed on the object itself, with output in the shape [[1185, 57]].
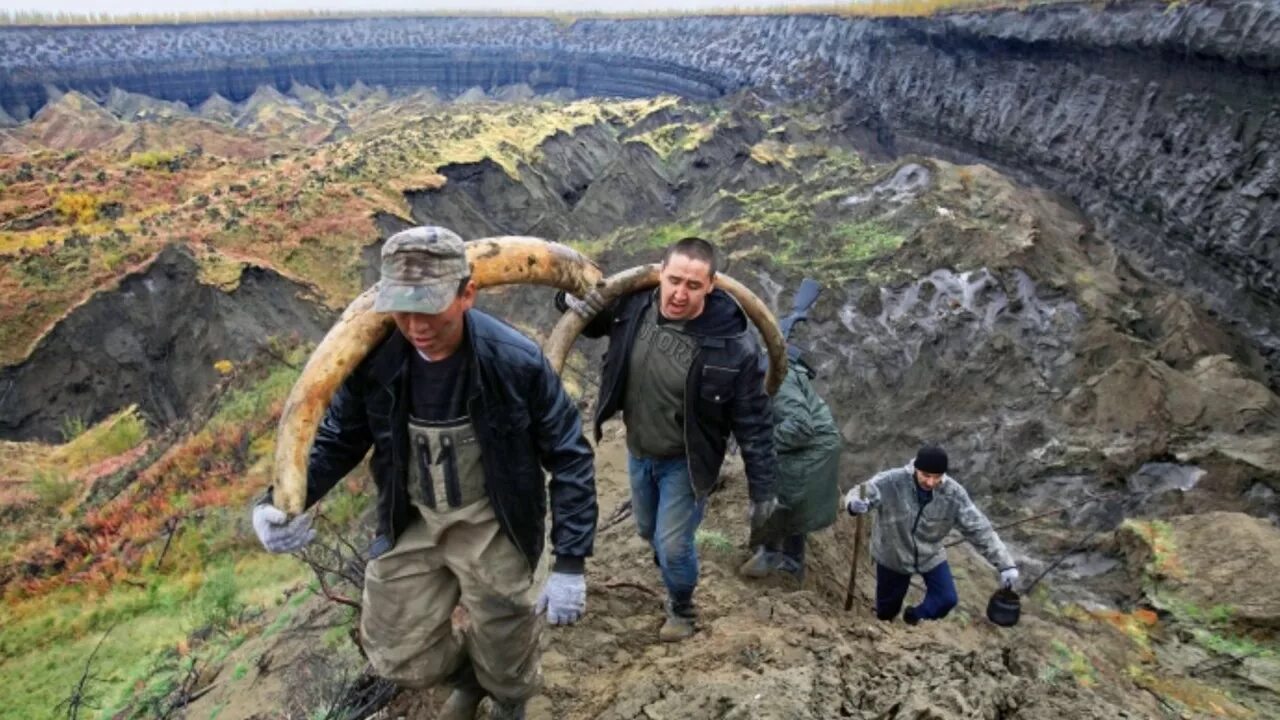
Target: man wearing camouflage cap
[[462, 412]]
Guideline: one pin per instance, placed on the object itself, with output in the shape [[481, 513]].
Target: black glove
[[562, 302], [588, 307]]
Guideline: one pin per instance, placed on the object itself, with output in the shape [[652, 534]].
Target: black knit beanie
[[931, 459]]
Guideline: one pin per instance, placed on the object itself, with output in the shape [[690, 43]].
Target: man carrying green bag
[[807, 443]]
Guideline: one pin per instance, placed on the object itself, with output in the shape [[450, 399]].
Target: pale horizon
[[154, 7]]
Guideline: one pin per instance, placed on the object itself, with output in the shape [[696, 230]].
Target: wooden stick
[[857, 551]]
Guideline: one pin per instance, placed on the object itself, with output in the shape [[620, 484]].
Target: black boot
[[466, 696], [909, 615], [507, 710]]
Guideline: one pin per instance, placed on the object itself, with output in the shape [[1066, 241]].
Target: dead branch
[[334, 596], [79, 697], [171, 705], [171, 525], [1201, 668], [620, 584], [335, 562], [620, 513]]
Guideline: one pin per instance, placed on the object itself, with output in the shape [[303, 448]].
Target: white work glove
[[279, 534], [564, 598], [1008, 577], [853, 504], [759, 512]]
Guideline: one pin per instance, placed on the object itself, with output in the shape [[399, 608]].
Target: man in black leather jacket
[[463, 414], [682, 367]]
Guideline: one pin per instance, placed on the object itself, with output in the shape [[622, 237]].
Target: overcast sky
[[202, 6]]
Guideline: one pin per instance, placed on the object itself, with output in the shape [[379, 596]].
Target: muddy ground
[[764, 649], [776, 649]]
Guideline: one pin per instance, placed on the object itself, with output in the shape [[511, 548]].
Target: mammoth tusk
[[642, 277], [494, 261]]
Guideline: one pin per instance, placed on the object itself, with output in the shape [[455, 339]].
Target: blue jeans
[[939, 597], [667, 515]]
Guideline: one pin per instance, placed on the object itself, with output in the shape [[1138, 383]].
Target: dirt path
[[771, 651], [764, 649]]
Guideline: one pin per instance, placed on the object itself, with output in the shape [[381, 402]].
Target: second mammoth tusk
[[642, 277]]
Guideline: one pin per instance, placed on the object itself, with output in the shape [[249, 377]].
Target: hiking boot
[[461, 705], [909, 615], [678, 625], [465, 699], [760, 564], [676, 628], [507, 711]]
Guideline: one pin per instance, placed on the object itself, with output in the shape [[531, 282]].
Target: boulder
[[1215, 559]]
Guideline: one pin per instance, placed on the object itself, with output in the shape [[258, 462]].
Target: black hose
[[1075, 548]]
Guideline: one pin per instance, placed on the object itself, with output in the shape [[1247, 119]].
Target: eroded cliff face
[[1162, 122], [152, 341]]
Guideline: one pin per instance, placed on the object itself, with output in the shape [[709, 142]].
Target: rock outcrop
[[153, 340], [1213, 559]]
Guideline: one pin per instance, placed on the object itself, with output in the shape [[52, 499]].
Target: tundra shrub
[[79, 208]]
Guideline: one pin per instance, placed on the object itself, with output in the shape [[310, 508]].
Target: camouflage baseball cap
[[421, 269]]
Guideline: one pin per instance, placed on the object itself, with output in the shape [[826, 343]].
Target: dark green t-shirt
[[657, 371]]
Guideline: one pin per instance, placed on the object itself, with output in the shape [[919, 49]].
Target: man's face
[[437, 335], [928, 481], [684, 284]]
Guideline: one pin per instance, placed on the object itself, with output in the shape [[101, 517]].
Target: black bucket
[[1004, 608]]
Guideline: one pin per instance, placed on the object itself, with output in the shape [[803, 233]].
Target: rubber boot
[[507, 710], [759, 565], [465, 699], [790, 566]]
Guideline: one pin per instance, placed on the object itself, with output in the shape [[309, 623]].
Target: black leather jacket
[[523, 420], [724, 392]]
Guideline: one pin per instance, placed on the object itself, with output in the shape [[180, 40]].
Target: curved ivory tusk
[[494, 261], [646, 276]]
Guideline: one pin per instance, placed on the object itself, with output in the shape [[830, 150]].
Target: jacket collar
[[721, 319], [391, 359]]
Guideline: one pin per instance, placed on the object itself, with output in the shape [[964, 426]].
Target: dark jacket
[[523, 420], [724, 391]]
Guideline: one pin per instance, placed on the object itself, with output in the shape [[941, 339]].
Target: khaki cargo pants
[[441, 560]]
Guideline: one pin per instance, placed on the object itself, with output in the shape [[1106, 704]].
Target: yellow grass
[[24, 464], [1191, 694], [219, 270]]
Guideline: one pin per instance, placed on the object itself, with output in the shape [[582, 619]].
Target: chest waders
[[445, 472]]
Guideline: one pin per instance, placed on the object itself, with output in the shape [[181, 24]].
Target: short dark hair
[[462, 286], [694, 248]]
